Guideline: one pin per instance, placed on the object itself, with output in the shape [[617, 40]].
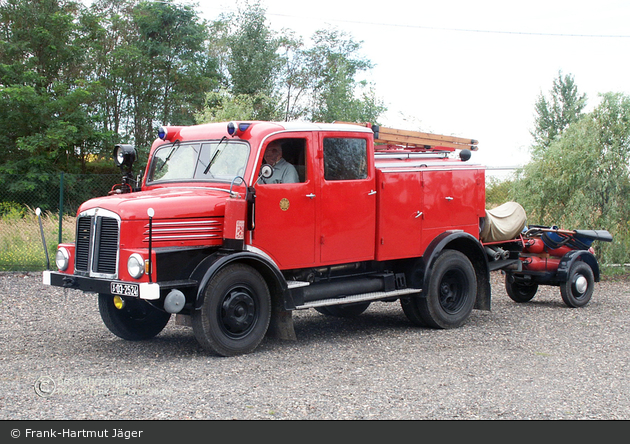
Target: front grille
[[97, 244], [107, 246], [84, 234]]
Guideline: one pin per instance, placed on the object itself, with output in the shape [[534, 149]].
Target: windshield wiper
[[214, 157], [176, 145]]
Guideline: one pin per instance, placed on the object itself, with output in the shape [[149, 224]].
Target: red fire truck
[[231, 244]]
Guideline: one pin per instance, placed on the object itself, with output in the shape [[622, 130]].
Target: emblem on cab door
[[284, 204]]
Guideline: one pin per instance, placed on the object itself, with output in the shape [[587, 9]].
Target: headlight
[[135, 266], [62, 259]]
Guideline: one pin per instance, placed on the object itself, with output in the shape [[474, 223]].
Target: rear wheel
[[135, 321], [578, 289], [235, 313], [450, 295], [520, 291]]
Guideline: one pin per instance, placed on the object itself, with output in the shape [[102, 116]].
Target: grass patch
[[21, 246]]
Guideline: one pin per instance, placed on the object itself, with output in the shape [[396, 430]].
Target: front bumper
[[145, 290]]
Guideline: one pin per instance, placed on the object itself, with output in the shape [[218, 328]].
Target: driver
[[283, 171]]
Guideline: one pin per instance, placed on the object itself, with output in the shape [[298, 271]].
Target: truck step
[[359, 298]]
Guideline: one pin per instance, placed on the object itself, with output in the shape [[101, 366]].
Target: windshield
[[217, 160]]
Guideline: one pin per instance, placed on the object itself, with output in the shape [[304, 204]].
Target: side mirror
[[266, 171]]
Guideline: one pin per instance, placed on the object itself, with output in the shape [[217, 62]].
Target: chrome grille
[[97, 243], [84, 234], [107, 246]]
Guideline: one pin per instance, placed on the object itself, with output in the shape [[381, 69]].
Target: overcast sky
[[472, 68]]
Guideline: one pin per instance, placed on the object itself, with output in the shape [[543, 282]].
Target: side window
[[288, 159], [345, 159]]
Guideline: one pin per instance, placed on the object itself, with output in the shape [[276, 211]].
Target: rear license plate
[[125, 289]]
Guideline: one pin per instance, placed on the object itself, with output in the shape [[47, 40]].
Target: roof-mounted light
[[162, 133], [236, 129], [169, 133]]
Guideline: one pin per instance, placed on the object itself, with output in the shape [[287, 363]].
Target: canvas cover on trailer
[[503, 223]]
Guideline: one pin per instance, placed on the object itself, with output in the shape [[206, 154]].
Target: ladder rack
[[416, 140]]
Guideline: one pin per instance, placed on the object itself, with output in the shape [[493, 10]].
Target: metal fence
[[58, 196]]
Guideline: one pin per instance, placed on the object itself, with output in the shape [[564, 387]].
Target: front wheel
[[135, 321], [578, 289], [450, 296], [235, 313]]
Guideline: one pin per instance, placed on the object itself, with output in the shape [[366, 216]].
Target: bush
[[12, 210]]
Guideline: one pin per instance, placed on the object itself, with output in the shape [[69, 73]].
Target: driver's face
[[273, 153]]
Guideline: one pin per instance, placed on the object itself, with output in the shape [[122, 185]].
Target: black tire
[[235, 313], [578, 289], [136, 321], [520, 292], [450, 296], [344, 310]]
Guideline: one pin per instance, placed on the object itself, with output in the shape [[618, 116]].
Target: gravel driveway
[[540, 360]]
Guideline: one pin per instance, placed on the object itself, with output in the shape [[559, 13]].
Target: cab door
[[346, 199], [284, 213]]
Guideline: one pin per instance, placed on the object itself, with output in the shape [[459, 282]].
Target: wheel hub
[[580, 284], [238, 312], [451, 292]]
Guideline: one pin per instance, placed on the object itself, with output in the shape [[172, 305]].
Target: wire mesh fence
[[58, 196]]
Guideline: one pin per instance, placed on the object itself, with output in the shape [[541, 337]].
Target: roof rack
[[416, 140]]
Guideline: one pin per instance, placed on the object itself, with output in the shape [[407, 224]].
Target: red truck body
[[372, 217]]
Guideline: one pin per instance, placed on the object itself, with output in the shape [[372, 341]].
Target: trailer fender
[[577, 255], [472, 248]]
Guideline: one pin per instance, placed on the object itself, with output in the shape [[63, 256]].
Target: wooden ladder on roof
[[417, 139]]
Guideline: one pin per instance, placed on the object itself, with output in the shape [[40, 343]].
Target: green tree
[[582, 179], [286, 79], [336, 93], [223, 106], [249, 57], [44, 92], [152, 65], [556, 113]]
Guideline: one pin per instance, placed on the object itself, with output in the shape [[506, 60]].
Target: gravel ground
[[540, 360]]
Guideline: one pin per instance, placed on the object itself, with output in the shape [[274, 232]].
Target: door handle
[[420, 214], [371, 193], [449, 198], [310, 196]]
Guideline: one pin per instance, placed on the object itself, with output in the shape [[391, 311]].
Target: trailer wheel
[[578, 289], [137, 320], [344, 310], [450, 295], [235, 313], [520, 291]]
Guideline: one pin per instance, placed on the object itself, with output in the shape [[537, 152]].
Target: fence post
[[60, 206]]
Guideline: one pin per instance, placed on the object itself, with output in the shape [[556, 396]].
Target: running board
[[359, 298]]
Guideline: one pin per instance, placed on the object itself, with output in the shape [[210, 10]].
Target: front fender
[[208, 268]]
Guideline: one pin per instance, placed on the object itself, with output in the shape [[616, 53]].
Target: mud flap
[[281, 323]]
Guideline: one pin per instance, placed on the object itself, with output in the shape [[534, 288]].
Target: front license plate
[[125, 289]]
